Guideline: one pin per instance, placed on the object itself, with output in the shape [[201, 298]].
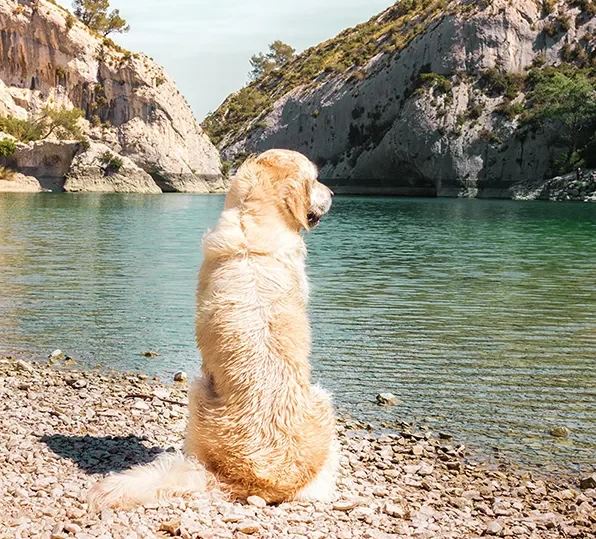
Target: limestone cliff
[[426, 98], [130, 103]]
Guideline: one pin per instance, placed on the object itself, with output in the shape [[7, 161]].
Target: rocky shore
[[63, 429], [561, 188]]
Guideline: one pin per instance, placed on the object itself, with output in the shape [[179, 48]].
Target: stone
[[150, 354], [180, 376], [171, 526], [420, 132], [395, 510], [345, 505], [141, 405], [493, 528], [23, 366], [588, 482], [257, 501], [559, 432], [249, 527], [386, 399], [56, 355], [417, 450]]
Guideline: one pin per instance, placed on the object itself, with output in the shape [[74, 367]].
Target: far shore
[[64, 429]]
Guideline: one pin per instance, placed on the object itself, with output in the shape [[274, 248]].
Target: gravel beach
[[61, 430]]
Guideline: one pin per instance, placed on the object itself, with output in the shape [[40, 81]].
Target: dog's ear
[[297, 200]]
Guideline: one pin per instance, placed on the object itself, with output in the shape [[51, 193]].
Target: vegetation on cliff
[[60, 122], [555, 97], [348, 53], [94, 13]]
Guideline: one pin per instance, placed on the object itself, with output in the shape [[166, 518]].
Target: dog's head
[[282, 181]]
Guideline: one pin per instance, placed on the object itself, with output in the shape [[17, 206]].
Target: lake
[[479, 315]]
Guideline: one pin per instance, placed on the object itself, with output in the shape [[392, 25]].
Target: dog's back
[[254, 418]]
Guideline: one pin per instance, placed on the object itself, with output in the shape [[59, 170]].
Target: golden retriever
[[257, 426]]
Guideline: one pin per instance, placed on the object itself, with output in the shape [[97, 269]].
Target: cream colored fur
[[256, 424]]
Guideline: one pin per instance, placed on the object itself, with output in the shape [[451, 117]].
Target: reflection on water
[[479, 315]]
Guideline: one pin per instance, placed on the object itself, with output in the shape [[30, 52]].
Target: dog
[[257, 426]]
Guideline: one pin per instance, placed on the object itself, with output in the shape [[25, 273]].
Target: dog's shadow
[[100, 455]]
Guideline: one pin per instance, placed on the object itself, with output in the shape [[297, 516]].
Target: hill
[[443, 98]]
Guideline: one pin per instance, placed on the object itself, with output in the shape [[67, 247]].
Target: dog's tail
[[170, 475]]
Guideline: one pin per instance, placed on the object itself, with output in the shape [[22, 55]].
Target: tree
[[94, 13], [568, 104], [262, 64], [62, 122]]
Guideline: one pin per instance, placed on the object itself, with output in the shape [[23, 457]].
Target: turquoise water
[[479, 315]]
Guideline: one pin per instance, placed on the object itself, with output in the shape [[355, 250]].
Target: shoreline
[[64, 429]]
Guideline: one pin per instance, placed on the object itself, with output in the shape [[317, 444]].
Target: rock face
[[377, 129], [94, 170], [46, 56]]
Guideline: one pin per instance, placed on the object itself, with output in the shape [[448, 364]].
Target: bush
[[70, 20], [7, 148], [84, 144], [510, 110], [112, 162], [22, 130], [587, 6], [498, 83], [6, 174], [548, 7], [226, 166], [441, 83]]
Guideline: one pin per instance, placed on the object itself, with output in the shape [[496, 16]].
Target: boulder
[[19, 183], [386, 399], [46, 160], [99, 170], [588, 482]]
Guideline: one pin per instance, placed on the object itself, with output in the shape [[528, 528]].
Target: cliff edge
[[48, 57], [426, 98]]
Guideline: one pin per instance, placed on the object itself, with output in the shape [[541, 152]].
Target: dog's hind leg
[[323, 487]]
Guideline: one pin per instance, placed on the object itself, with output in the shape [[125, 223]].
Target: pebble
[[390, 485], [248, 527], [257, 501], [588, 482], [180, 376], [386, 399], [494, 528], [345, 505], [559, 432], [23, 366]]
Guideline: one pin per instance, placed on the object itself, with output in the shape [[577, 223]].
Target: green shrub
[[22, 130], [84, 144], [548, 7], [587, 6], [112, 162], [441, 83], [496, 82], [510, 110], [70, 20], [475, 111], [8, 148], [226, 166], [6, 174]]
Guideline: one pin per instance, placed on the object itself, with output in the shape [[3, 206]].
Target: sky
[[206, 45]]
